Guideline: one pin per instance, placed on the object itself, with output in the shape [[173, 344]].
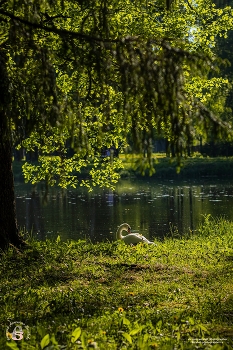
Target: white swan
[[130, 238]]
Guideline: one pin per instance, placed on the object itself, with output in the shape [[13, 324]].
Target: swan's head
[[127, 228]]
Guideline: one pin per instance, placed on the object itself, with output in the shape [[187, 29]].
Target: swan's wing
[[145, 240], [133, 238]]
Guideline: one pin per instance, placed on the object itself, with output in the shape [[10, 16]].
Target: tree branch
[[78, 35], [65, 32]]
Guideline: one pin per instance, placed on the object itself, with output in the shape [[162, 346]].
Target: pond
[[150, 207]]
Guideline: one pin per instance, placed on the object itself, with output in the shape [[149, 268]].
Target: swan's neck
[[119, 232]]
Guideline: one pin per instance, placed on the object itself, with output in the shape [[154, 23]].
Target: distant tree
[[93, 72], [223, 50]]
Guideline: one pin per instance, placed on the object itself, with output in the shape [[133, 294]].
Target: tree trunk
[[8, 225]]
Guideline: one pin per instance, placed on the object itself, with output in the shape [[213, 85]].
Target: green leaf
[[159, 325], [145, 338], [76, 334], [203, 328], [45, 341], [135, 331], [84, 339], [12, 345], [127, 336], [126, 321]]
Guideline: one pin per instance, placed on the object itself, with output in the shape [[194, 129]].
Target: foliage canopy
[[89, 74]]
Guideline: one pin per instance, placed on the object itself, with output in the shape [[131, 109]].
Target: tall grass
[[77, 295]]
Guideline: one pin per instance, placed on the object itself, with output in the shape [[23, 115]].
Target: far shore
[[166, 168]]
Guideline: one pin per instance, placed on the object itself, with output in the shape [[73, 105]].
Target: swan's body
[[130, 238]]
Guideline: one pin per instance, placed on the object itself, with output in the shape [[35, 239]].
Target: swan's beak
[[129, 229]]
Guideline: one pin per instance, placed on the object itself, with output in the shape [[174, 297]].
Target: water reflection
[[150, 208]]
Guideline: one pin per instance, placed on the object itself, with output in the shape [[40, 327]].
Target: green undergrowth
[[76, 295]]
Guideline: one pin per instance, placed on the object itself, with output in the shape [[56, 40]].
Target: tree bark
[[8, 223], [9, 233]]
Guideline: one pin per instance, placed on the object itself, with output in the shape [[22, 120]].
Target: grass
[[77, 295]]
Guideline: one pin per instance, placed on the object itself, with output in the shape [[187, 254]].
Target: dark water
[[151, 208]]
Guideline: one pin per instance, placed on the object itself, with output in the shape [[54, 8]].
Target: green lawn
[[76, 295]]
